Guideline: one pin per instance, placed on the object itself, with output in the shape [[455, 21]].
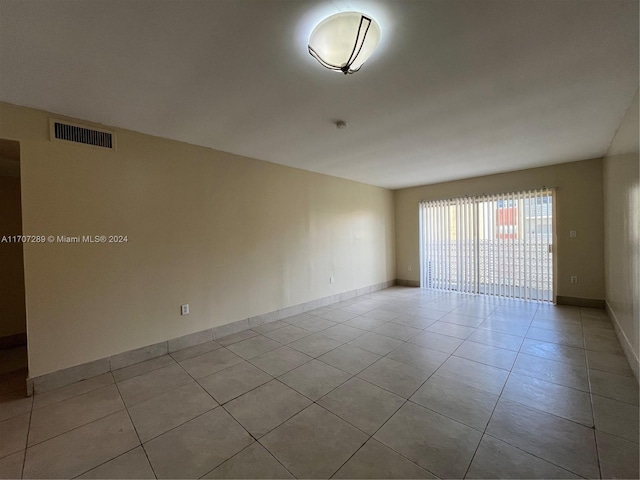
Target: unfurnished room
[[366, 239]]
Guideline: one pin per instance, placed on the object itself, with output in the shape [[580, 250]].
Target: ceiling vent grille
[[83, 134]]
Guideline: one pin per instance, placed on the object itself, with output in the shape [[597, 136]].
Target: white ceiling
[[457, 88]]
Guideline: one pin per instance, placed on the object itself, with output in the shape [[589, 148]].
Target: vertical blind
[[491, 244]]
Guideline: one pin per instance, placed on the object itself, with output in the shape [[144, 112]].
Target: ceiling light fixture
[[343, 42]]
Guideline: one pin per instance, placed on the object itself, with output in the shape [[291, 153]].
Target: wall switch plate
[[574, 279], [330, 279], [572, 233], [184, 309], [409, 267]]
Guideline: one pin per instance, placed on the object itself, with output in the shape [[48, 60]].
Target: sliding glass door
[[491, 244]]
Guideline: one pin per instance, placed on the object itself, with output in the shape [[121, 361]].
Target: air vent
[[70, 132]]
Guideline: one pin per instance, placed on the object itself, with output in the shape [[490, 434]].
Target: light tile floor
[[401, 383]]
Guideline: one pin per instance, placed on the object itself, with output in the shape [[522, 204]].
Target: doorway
[[13, 328], [499, 245]]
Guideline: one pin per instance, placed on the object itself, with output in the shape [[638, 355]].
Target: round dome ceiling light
[[343, 42]]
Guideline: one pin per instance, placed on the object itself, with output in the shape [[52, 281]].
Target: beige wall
[[622, 232], [232, 236], [579, 207], [12, 308]]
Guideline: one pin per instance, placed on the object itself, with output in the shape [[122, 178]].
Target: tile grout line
[[141, 445], [484, 432], [409, 400], [26, 440], [593, 410], [248, 446], [369, 435], [173, 428], [89, 423], [528, 406], [111, 459], [222, 405], [532, 454], [77, 427], [406, 400], [404, 342], [255, 440], [72, 396], [197, 416], [390, 416]]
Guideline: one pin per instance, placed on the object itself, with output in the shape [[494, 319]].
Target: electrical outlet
[[330, 279], [184, 309], [572, 233], [409, 267], [574, 279]]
